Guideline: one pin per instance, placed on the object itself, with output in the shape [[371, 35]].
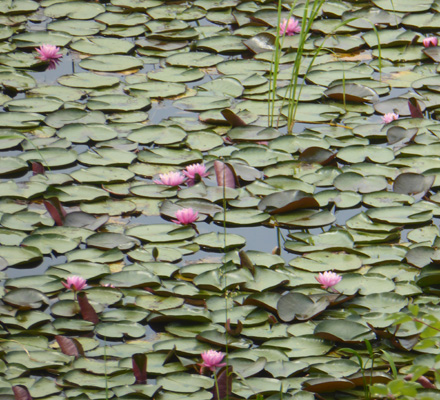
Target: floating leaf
[[352, 92], [411, 183], [110, 63], [299, 306], [25, 299], [344, 331]]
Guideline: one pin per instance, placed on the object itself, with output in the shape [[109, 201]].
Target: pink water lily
[[194, 173], [389, 117], [49, 52], [185, 216], [289, 27], [193, 170], [430, 41], [328, 279], [75, 283], [212, 359], [170, 179], [109, 285]]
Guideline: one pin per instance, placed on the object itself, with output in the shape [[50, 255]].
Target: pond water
[[319, 183]]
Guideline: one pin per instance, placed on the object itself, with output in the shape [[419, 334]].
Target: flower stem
[[216, 385]]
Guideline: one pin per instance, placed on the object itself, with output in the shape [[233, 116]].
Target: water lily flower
[[289, 27], [170, 179], [186, 216], [328, 279], [212, 359], [387, 118], [430, 41], [193, 170], [194, 173], [109, 285], [49, 52], [75, 283]]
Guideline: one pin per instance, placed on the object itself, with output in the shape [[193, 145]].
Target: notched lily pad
[[344, 331], [412, 183], [352, 92], [297, 305], [25, 299]]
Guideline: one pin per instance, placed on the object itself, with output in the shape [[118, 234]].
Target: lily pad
[[74, 10], [111, 63]]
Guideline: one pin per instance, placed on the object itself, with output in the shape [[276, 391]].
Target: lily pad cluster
[[148, 87]]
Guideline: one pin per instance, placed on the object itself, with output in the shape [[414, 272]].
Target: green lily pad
[[76, 194], [399, 215], [219, 242], [335, 240], [296, 305], [170, 156], [10, 165], [25, 299], [321, 261], [111, 240], [34, 104], [38, 359], [389, 37], [302, 346], [76, 27], [158, 303], [198, 59], [176, 74], [403, 5], [107, 157], [156, 89], [19, 7], [100, 46], [354, 182], [35, 39], [74, 10], [116, 103], [82, 133], [20, 120], [387, 199], [17, 80], [88, 80], [120, 329], [226, 44], [25, 220], [74, 116], [111, 63], [51, 157], [158, 134], [305, 218], [202, 102], [241, 217], [79, 378], [131, 279], [161, 232], [383, 302], [50, 242], [102, 175]]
